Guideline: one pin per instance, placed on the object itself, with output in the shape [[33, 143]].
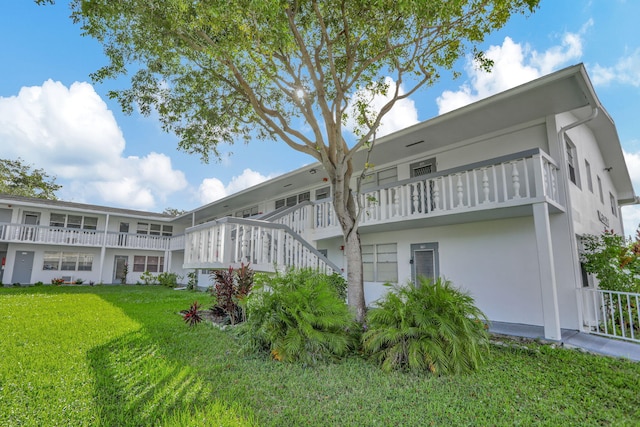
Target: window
[[293, 200], [51, 261], [614, 205], [571, 161], [152, 264], [73, 221], [154, 229], [376, 179], [248, 212], [380, 262], [323, 193], [67, 261], [587, 167], [600, 190]]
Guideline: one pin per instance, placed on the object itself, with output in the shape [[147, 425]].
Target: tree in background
[[174, 211], [291, 70], [19, 179]]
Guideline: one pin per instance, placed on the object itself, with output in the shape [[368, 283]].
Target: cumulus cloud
[[625, 71], [403, 114], [70, 133], [514, 64], [212, 189]]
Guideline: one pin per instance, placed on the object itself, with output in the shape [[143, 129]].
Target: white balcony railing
[[267, 246], [518, 179], [612, 314], [24, 233]]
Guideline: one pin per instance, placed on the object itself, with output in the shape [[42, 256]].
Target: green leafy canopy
[[19, 179], [218, 71]]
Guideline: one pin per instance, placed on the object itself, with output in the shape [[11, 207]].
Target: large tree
[[19, 179], [296, 71]]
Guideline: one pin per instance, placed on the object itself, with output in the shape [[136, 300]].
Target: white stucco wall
[[496, 261]]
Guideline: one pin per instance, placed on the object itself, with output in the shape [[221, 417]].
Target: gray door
[[22, 267], [119, 275], [424, 261]]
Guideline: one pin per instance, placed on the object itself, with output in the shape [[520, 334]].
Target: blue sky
[[54, 117]]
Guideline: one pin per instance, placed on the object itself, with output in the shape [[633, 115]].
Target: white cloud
[[402, 115], [626, 71], [514, 64], [71, 134], [212, 189]]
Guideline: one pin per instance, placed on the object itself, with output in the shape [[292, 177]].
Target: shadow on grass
[[149, 375]]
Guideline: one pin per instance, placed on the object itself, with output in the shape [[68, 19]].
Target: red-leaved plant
[[191, 316], [230, 289]]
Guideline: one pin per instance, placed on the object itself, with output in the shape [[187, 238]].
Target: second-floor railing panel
[[53, 235], [524, 178], [26, 233], [137, 241]]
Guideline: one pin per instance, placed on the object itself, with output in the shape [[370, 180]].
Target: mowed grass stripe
[[71, 357]]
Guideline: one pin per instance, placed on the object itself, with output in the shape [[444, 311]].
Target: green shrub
[[38, 283], [148, 278], [614, 261], [167, 279], [297, 316], [429, 326]]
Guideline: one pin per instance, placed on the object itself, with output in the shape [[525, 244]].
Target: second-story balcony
[[496, 188], [37, 234]]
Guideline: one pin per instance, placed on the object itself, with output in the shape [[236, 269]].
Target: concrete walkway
[[572, 339]]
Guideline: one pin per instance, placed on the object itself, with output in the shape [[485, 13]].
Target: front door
[[424, 261], [120, 269], [22, 267]]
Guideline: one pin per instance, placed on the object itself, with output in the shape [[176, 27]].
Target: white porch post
[[103, 248], [548, 288]]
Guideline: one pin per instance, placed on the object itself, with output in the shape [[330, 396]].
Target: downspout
[[572, 233]]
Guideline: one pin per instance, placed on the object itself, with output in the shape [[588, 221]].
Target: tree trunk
[[355, 290]]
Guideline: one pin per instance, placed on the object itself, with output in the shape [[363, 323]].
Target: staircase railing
[[267, 246]]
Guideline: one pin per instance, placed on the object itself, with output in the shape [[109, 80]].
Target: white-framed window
[[150, 263], [154, 229], [248, 212], [67, 261], [73, 221], [614, 205], [293, 200], [323, 193], [572, 164], [600, 190], [587, 168], [376, 179], [380, 262]]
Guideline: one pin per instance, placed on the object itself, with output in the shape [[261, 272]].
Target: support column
[[548, 288]]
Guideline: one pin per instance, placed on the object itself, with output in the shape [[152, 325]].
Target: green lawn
[[119, 356]]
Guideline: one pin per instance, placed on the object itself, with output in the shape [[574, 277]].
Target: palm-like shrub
[[428, 326], [297, 316]]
